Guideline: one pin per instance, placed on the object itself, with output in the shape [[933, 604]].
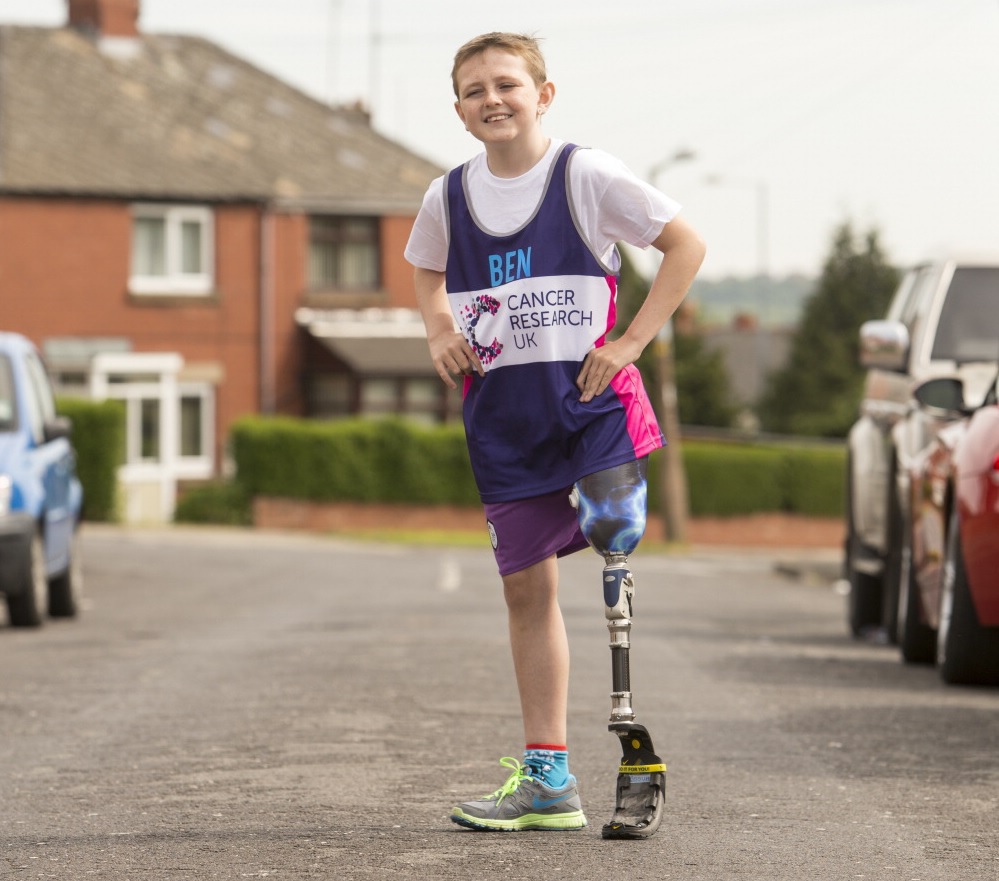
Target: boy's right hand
[[452, 354]]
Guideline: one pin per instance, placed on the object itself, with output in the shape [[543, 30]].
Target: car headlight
[[6, 491]]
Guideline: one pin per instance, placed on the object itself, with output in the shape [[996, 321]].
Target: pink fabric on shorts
[[527, 531]]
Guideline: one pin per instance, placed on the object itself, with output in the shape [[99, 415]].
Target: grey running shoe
[[523, 803]]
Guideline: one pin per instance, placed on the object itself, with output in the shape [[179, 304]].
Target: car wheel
[[66, 589], [892, 584], [917, 641], [967, 653], [864, 599], [864, 605], [25, 607]]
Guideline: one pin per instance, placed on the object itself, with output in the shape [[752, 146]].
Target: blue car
[[40, 495]]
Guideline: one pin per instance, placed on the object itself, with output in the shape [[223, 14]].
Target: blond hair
[[516, 44]]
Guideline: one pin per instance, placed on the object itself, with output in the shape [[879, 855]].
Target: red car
[[949, 608]]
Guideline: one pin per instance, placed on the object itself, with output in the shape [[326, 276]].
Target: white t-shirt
[[611, 205]]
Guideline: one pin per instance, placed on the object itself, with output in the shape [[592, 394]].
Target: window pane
[[190, 247], [190, 426], [322, 265], [149, 246], [150, 430], [423, 394], [343, 252], [359, 266], [379, 396], [332, 395]]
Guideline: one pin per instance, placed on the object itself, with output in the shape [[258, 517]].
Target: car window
[[39, 379], [924, 283], [968, 329], [8, 412], [903, 298], [992, 398], [39, 400]]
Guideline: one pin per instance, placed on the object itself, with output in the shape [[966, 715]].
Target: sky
[[794, 116]]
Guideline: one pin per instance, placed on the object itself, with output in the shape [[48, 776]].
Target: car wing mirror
[[58, 426], [943, 395], [884, 345]]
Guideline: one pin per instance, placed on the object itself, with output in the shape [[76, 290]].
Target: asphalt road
[[239, 705]]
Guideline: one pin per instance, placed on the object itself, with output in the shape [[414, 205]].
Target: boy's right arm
[[449, 349]]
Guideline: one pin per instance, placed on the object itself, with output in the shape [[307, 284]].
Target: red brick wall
[[63, 266], [397, 274]]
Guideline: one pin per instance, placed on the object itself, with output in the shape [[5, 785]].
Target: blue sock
[[548, 763]]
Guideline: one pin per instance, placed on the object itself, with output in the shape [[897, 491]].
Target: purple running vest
[[532, 304]]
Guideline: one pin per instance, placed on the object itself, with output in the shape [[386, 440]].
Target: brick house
[[182, 230]]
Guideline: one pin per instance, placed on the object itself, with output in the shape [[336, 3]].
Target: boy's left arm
[[683, 252]]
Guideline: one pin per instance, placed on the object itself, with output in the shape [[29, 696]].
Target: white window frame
[[175, 281], [183, 467]]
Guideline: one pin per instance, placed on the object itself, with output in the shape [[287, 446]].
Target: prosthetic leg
[[611, 506]]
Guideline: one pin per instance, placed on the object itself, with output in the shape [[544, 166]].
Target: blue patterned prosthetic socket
[[611, 505]]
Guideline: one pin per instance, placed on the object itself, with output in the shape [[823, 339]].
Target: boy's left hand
[[601, 366]]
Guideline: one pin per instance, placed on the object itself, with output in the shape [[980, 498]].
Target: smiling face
[[498, 100]]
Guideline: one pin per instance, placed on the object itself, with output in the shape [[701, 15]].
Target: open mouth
[[498, 117]]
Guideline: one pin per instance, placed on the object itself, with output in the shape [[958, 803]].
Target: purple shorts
[[527, 531]]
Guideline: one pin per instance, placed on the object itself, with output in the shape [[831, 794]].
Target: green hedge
[[732, 479], [726, 480], [218, 501], [393, 460], [387, 460], [814, 481], [99, 442]]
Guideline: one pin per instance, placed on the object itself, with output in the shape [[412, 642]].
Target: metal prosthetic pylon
[[641, 779]]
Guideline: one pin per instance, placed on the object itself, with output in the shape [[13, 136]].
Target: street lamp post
[[672, 478]]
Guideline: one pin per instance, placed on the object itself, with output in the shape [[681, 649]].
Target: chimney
[[105, 18]]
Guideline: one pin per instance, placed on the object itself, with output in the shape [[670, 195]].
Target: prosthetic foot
[[611, 506], [641, 779]]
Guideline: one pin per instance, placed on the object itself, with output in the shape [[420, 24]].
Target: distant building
[[750, 354], [185, 232]]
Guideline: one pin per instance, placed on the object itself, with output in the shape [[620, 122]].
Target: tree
[[818, 391], [702, 386]]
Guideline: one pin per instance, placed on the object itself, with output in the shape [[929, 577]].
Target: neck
[[513, 159]]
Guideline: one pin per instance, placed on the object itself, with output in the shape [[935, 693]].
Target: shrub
[[353, 460], [224, 502], [726, 480], [813, 481], [392, 460], [99, 442]]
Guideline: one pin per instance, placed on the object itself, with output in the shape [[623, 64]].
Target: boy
[[518, 246]]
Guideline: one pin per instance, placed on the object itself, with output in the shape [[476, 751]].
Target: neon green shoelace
[[518, 776]]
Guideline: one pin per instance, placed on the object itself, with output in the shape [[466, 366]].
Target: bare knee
[[531, 589]]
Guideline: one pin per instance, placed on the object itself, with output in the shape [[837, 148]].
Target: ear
[[459, 111], [546, 95]]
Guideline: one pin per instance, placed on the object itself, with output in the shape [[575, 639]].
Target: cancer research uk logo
[[530, 318], [483, 304]]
